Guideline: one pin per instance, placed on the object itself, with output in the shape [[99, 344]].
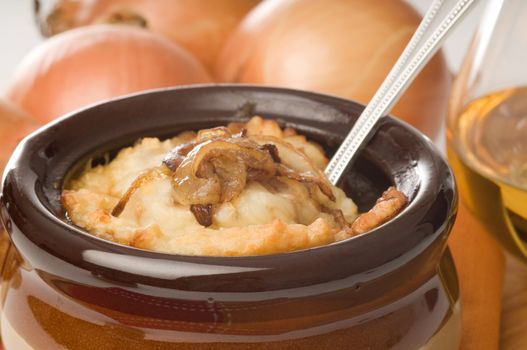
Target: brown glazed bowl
[[392, 288]]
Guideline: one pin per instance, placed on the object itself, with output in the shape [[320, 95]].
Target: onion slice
[[152, 174], [217, 170], [297, 165]]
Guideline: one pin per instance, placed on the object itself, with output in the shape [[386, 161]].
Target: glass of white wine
[[487, 124]]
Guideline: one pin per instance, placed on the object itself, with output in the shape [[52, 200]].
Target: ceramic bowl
[[392, 288]]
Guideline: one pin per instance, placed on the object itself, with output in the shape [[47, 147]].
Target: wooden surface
[[514, 307], [480, 266]]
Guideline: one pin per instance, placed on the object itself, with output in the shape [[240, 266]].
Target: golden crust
[[266, 218], [274, 237]]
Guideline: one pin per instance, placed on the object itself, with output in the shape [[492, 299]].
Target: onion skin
[[200, 26], [14, 125], [95, 63], [340, 47]]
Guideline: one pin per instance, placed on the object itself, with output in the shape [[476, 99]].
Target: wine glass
[[487, 124]]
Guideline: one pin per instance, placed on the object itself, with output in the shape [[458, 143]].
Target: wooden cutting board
[[514, 307]]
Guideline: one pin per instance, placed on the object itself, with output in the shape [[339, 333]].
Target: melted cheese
[[274, 217]]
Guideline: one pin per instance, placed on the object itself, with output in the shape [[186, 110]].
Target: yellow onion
[[341, 47], [200, 26], [91, 64], [14, 125]]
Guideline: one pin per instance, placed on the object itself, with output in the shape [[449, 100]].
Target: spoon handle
[[440, 18]]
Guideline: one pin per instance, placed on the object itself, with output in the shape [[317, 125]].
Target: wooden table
[[514, 307]]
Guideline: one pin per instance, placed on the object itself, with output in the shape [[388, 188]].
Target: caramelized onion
[[387, 207], [216, 171], [297, 165], [214, 133], [176, 156], [142, 179], [202, 213], [215, 168], [324, 186], [273, 151]]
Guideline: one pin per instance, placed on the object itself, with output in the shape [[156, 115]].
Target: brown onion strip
[[142, 179]]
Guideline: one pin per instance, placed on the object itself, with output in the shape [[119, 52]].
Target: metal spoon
[[436, 24]]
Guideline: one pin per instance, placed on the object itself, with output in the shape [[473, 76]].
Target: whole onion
[[341, 47], [14, 125], [94, 63], [200, 26]]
